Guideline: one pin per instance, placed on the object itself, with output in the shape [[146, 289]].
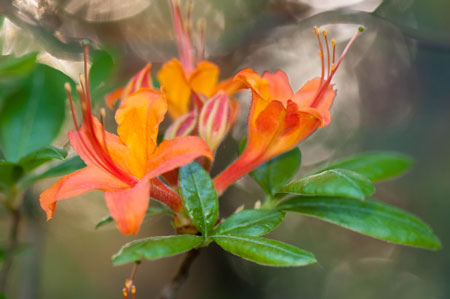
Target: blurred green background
[[393, 94]]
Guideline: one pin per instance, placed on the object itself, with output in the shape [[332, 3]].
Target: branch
[[170, 290], [11, 249]]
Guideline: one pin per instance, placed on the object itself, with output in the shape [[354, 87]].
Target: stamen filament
[[328, 51], [201, 40], [72, 110], [316, 30], [333, 45], [327, 82]]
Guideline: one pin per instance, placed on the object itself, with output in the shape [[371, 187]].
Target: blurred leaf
[[67, 166], [376, 166], [12, 68], [155, 247], [32, 117], [250, 223], [273, 174], [334, 182], [41, 156], [199, 197], [151, 211], [264, 251], [156, 84], [369, 217], [101, 69], [10, 173]]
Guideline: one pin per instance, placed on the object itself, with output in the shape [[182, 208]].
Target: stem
[[12, 245], [269, 203], [170, 290], [133, 275]]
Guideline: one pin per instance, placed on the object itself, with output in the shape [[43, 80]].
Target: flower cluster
[[133, 165]]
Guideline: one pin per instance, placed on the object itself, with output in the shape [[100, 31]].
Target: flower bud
[[142, 79], [215, 120], [182, 126]]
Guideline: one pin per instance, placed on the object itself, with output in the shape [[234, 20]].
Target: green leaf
[[376, 166], [278, 171], [12, 68], [67, 166], [334, 182], [369, 217], [155, 248], [41, 156], [151, 211], [264, 251], [250, 223], [101, 69], [32, 117], [199, 197], [10, 173]]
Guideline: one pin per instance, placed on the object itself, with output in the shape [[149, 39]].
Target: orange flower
[[280, 119], [126, 166], [185, 81]]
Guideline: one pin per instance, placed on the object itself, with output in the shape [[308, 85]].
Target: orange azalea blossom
[[186, 82], [126, 166], [279, 119]]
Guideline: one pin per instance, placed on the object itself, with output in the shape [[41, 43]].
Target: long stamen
[[328, 51], [188, 23], [86, 73], [316, 30], [333, 45], [201, 40], [102, 121], [334, 69], [100, 154], [72, 110], [182, 36]]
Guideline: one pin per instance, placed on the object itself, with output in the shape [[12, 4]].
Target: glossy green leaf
[[32, 117], [370, 217], [65, 167], [264, 251], [250, 223], [199, 197], [376, 166], [334, 182], [155, 248], [151, 211], [41, 156], [273, 174]]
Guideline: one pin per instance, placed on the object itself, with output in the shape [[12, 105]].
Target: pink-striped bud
[[142, 79], [183, 126], [215, 120]]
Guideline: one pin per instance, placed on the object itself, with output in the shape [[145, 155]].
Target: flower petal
[[204, 78], [113, 96], [295, 127], [306, 95], [176, 152], [260, 92], [81, 181], [230, 86], [279, 86], [128, 206], [138, 119], [176, 87], [84, 147]]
